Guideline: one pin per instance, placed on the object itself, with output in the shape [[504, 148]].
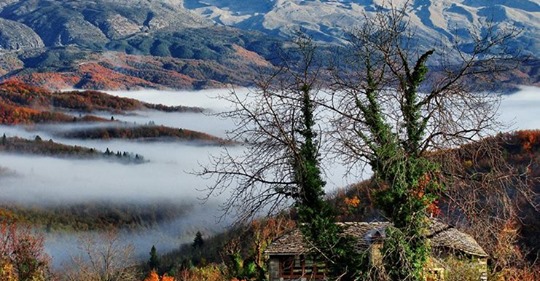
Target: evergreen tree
[[198, 242], [153, 263], [4, 139]]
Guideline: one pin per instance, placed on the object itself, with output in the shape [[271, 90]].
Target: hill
[[129, 44], [513, 253], [144, 132], [24, 104], [20, 94], [50, 148], [94, 215], [21, 104]]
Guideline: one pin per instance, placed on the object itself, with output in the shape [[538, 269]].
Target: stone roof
[[441, 235]]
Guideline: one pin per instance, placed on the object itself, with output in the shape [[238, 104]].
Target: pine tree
[[153, 263], [198, 242]]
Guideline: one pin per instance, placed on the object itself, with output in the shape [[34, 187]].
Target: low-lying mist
[[31, 180], [48, 181], [520, 110]]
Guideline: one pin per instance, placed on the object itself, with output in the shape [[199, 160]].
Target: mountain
[[193, 44], [331, 20], [126, 44], [94, 23]]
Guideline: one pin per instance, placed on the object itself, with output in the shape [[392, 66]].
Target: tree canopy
[[389, 104]]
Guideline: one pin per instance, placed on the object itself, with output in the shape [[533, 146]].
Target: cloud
[[520, 110]]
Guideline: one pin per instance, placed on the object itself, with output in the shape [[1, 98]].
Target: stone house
[[452, 250]]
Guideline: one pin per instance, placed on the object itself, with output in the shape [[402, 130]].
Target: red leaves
[[22, 252], [528, 138]]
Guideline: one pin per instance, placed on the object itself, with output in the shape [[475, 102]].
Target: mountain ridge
[[330, 20], [194, 44]]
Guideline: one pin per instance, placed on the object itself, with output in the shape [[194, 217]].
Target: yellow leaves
[[348, 206], [352, 202], [7, 271], [209, 272]]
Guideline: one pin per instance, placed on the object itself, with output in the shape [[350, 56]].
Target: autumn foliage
[[153, 276], [528, 139], [24, 104], [22, 254]]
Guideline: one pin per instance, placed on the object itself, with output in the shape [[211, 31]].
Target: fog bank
[[47, 180], [520, 110]]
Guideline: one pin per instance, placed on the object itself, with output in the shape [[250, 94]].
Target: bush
[[22, 255]]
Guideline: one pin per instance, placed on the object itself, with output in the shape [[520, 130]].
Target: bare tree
[[395, 106], [392, 113], [428, 98], [486, 194], [105, 258], [265, 176], [281, 163]]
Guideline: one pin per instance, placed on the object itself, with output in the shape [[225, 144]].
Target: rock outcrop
[[17, 36]]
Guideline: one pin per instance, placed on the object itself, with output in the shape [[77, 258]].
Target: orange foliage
[[250, 56], [528, 138], [17, 86], [153, 276], [167, 278], [352, 202], [433, 209]]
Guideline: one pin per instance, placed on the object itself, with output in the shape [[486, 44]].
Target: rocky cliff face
[[17, 36]]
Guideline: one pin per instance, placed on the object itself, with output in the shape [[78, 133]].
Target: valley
[[175, 140], [156, 200]]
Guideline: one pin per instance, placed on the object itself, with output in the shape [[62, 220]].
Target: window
[[293, 267]]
